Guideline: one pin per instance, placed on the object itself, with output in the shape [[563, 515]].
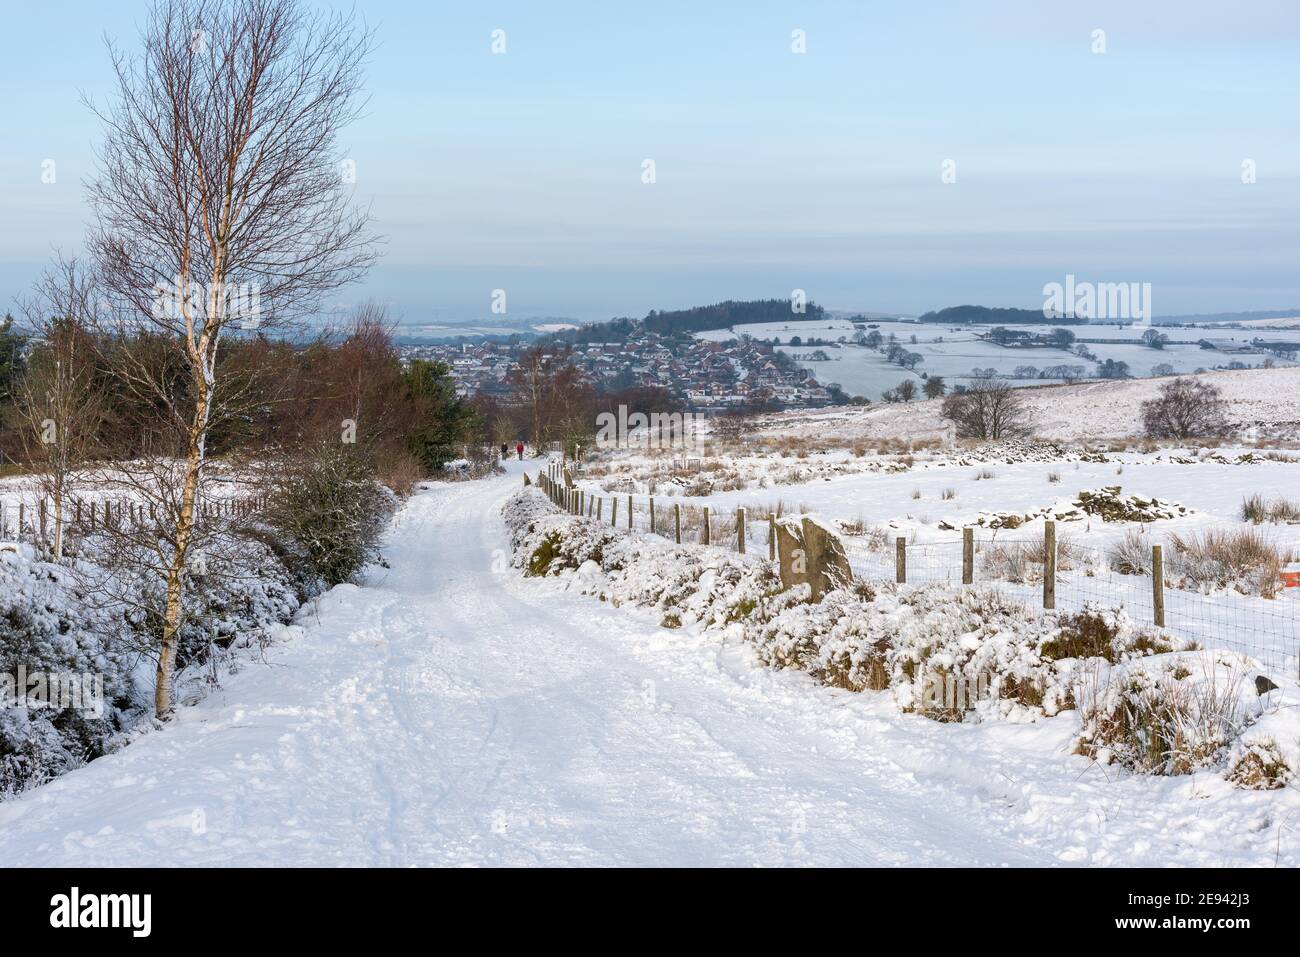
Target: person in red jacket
[[519, 449]]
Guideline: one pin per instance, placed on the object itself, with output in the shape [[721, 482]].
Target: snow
[[1264, 400], [954, 351], [450, 711]]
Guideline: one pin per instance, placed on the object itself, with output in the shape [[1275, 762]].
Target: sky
[[774, 170]]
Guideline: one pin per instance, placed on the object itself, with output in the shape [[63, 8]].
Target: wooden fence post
[[771, 536], [629, 513], [677, 522], [652, 515], [600, 508], [1049, 565], [707, 530], [740, 530], [967, 556], [613, 511], [1158, 583], [42, 521], [900, 560]]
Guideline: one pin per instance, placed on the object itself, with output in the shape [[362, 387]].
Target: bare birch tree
[[222, 203]]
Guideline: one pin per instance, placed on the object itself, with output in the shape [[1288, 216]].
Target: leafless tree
[[988, 409], [58, 398], [1185, 408], [221, 201]]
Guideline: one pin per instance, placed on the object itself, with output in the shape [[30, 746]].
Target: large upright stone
[[810, 552], [568, 478], [791, 554]]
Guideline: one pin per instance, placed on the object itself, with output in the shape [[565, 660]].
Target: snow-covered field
[[1264, 403], [954, 351], [450, 712]]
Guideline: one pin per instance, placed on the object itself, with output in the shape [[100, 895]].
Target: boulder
[[810, 552]]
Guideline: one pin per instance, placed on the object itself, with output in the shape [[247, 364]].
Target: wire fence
[[34, 521], [1219, 616]]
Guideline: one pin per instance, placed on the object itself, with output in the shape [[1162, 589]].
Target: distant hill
[[720, 315], [1225, 317], [992, 316]]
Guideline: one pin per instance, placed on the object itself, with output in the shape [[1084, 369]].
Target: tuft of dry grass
[[1161, 725], [1023, 560], [1131, 555], [1221, 558], [1257, 510]]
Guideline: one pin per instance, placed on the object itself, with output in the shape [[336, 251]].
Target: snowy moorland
[[1264, 404]]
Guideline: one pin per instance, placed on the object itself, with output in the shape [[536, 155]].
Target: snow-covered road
[[451, 712]]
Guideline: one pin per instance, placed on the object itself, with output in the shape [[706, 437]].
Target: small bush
[[1091, 634], [326, 502], [1261, 767]]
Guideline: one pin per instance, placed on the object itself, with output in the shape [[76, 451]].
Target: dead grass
[[1131, 555], [1257, 510], [1228, 558], [1023, 560], [1163, 725]]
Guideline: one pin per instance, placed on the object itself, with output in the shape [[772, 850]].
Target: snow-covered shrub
[[42, 630], [1170, 714], [99, 615], [1261, 766], [330, 510], [685, 584], [900, 638]]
